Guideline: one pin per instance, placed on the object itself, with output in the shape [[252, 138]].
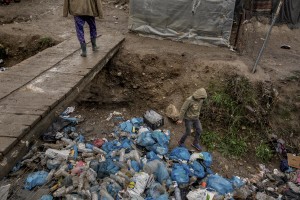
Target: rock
[[172, 112], [89, 129]]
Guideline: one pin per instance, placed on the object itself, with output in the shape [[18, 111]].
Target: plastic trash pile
[[136, 164]]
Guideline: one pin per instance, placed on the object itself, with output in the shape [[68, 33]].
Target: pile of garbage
[[274, 184], [135, 164]]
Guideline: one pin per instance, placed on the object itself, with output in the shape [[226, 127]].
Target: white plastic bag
[[140, 180]]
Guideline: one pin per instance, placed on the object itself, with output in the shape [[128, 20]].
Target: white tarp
[[197, 21]]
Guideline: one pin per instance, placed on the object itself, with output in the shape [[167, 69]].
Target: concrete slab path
[[34, 91]]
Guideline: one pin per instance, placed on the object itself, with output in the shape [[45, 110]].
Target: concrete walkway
[[33, 92]]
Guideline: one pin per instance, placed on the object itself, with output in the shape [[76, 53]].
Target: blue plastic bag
[[106, 168], [135, 165], [180, 153], [46, 197], [220, 184], [137, 122], [160, 138], [207, 158], [111, 146], [69, 129], [35, 179], [236, 182], [161, 150], [126, 126], [162, 173], [180, 174], [145, 139], [72, 120], [161, 197], [126, 143], [198, 169], [152, 156]]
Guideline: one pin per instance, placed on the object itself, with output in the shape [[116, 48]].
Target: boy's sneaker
[[181, 144], [197, 146]]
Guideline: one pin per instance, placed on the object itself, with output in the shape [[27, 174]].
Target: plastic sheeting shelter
[[196, 21]]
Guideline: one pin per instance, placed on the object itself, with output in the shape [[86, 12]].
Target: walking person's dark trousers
[[195, 123]]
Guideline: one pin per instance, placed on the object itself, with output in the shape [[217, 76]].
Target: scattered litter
[[115, 113], [285, 46], [68, 111], [137, 164], [200, 194], [2, 69]]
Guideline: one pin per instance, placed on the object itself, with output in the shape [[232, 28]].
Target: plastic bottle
[[53, 153], [59, 192], [91, 176], [122, 153], [75, 181], [177, 191], [67, 141], [87, 155], [120, 180], [105, 195], [133, 155], [94, 196], [81, 148], [62, 171], [81, 180], [87, 193], [50, 175], [62, 191], [95, 149], [53, 164]]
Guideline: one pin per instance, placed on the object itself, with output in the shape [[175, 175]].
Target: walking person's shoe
[[83, 49], [94, 44], [181, 144], [197, 146]]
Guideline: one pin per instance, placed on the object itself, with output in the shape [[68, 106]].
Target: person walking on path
[[190, 112], [84, 11]]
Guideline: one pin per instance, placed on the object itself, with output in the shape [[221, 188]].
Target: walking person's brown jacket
[[83, 8]]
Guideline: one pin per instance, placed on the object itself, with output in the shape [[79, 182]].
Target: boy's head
[[200, 94]]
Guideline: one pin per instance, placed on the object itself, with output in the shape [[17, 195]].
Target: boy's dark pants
[[188, 125]]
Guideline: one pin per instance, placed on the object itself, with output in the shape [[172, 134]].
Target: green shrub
[[210, 140], [233, 145], [263, 152], [46, 42]]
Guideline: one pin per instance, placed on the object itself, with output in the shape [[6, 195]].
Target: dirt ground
[[151, 74]]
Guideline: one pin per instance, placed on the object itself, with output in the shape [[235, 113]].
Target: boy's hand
[[179, 122]]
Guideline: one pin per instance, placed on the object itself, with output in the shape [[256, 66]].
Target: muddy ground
[[151, 74]]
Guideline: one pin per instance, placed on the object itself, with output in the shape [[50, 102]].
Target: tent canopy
[[196, 21]]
